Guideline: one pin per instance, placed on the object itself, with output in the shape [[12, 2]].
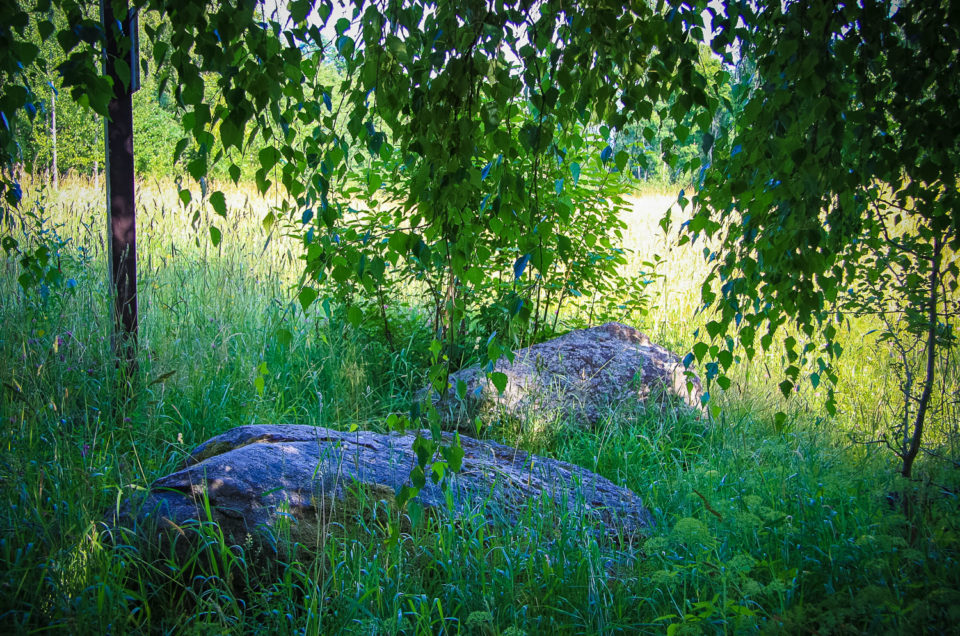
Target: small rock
[[583, 374]]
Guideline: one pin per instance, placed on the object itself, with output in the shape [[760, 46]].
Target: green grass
[[797, 529]]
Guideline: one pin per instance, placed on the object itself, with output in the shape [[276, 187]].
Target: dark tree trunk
[[931, 350], [121, 210]]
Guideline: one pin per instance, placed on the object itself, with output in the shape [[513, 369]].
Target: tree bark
[[96, 160], [121, 209], [53, 136], [911, 453]]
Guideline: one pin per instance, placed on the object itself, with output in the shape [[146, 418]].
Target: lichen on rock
[[582, 375], [300, 479]]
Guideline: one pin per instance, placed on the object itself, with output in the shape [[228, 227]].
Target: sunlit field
[[800, 525]]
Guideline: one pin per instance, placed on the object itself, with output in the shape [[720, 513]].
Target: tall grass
[[796, 529]]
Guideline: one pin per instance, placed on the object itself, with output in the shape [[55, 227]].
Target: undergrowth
[[759, 527]]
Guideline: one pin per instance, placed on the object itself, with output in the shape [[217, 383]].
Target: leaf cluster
[[842, 162]]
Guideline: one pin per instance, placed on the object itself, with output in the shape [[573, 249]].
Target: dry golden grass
[[168, 231]]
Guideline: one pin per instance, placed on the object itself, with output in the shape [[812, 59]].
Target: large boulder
[[252, 476], [584, 374]]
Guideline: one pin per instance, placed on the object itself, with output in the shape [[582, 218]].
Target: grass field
[[804, 527]]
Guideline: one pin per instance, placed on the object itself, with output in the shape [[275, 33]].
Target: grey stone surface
[[584, 374], [254, 475]]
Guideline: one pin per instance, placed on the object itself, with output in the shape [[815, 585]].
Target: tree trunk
[[121, 210], [53, 136], [931, 349], [96, 160]]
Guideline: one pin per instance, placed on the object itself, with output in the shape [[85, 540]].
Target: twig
[[706, 504]]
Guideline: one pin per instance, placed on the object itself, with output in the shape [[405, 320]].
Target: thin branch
[[931, 361]]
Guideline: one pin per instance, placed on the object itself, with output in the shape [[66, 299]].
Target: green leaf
[[123, 72], [284, 337], [160, 379], [179, 148], [398, 242], [377, 268], [219, 203], [779, 421], [831, 406], [299, 9], [268, 220], [725, 358], [215, 236], [231, 134], [765, 341], [415, 511], [9, 244], [714, 328], [621, 159], [268, 158], [345, 46], [197, 167], [499, 381], [474, 276], [341, 273], [374, 181], [700, 350], [306, 296], [404, 495], [454, 455], [424, 449], [437, 470], [418, 478], [354, 315], [785, 387]]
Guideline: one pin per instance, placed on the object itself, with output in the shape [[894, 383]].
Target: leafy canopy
[[476, 120], [473, 128], [836, 193]]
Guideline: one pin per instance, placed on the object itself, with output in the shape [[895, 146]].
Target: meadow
[[795, 526]]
